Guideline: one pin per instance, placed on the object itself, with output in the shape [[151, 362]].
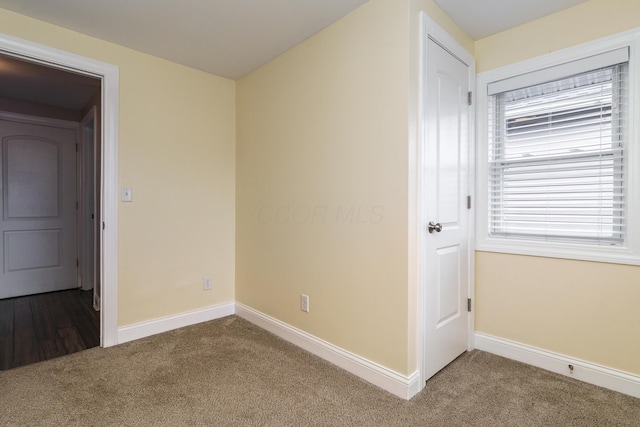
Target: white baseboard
[[391, 381], [612, 379], [168, 323]]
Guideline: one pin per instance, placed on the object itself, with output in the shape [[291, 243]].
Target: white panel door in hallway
[[446, 222], [38, 226]]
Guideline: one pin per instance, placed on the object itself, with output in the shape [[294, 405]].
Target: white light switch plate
[[127, 194]]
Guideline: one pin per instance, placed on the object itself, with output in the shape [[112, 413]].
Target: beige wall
[[581, 309], [322, 184], [579, 24], [177, 150], [586, 310]]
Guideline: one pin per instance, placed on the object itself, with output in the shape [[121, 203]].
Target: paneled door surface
[[38, 227], [446, 226]]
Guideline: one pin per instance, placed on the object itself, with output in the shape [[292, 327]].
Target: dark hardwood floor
[[41, 327]]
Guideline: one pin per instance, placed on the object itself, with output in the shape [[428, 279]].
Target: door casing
[[109, 75], [87, 224]]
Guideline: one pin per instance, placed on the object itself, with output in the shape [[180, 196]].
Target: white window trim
[[628, 254]]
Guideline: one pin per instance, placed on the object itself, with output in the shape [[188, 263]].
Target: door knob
[[437, 227]]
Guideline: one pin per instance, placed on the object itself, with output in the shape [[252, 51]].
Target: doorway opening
[[49, 220], [104, 126]]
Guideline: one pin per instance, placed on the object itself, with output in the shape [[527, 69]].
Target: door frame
[[84, 143], [428, 29], [109, 75]]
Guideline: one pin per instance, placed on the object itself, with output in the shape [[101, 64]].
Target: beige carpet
[[230, 373]]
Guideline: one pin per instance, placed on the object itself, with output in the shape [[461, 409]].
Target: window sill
[[608, 254]]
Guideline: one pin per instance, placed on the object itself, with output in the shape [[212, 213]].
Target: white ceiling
[[482, 18], [229, 38]]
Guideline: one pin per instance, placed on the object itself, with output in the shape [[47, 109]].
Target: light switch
[[127, 194]]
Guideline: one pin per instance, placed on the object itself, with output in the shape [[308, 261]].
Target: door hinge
[[76, 205], [468, 304], [469, 97], [77, 149], [103, 225], [77, 262], [468, 202]]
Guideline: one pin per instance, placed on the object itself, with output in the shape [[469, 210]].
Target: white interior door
[[446, 185], [38, 227]]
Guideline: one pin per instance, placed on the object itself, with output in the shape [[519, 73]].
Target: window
[[555, 159]]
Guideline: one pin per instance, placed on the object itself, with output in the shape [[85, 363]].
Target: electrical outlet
[[304, 303], [207, 285]]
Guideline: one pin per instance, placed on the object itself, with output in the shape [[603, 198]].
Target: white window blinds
[[557, 159]]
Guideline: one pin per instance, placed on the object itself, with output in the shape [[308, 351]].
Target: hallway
[[45, 326]]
